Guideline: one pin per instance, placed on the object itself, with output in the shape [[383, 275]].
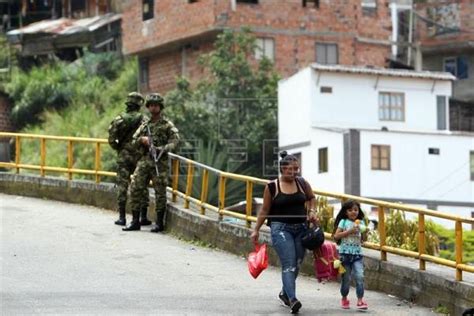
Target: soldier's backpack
[[121, 129]]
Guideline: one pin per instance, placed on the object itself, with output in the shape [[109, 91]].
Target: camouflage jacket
[[122, 128], [164, 133]]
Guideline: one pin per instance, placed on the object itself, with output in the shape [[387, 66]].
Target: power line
[[443, 179]]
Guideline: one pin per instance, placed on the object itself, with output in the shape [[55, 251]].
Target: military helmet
[[135, 98], [154, 98]]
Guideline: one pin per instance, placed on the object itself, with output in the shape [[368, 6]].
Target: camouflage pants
[[145, 172], [125, 167]]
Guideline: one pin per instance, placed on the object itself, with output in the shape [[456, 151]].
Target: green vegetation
[[235, 106], [447, 244], [78, 99], [403, 233]]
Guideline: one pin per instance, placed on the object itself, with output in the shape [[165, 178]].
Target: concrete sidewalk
[[59, 258]]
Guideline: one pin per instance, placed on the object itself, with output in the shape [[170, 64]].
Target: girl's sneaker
[[362, 305], [345, 303]]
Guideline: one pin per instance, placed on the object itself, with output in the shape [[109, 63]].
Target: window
[[433, 151], [458, 66], [391, 106], [315, 2], [325, 89], [323, 159], [472, 165], [265, 47], [326, 53], [380, 157], [144, 72], [369, 4], [441, 108], [148, 9], [248, 1]]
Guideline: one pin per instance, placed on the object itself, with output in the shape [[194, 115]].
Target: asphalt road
[[59, 258]]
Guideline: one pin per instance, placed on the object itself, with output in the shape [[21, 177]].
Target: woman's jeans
[[286, 239], [353, 265]]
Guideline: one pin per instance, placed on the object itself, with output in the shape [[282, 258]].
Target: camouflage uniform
[[121, 130], [165, 138]]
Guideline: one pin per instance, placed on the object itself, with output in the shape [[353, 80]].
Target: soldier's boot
[[144, 220], [122, 221], [160, 226], [135, 224]]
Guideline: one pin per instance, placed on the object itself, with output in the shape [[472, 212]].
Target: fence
[[191, 168]]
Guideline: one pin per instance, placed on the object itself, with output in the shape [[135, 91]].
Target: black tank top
[[288, 208]]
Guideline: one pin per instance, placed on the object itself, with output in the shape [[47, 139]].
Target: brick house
[[169, 35], [445, 31]]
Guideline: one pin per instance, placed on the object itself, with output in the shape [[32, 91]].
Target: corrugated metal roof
[[66, 26], [384, 72]]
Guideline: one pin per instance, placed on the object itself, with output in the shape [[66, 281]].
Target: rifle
[[153, 150]]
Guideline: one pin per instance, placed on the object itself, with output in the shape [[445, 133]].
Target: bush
[[57, 85]]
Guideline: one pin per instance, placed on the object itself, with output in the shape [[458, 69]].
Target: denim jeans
[[353, 265], [286, 239]]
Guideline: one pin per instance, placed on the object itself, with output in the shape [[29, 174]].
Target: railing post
[[458, 229], [222, 181], [97, 162], [381, 227], [249, 204], [421, 239], [70, 161], [17, 152], [174, 181], [189, 184], [204, 189], [42, 155]]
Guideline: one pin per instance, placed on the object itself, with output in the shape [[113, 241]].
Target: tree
[[235, 105]]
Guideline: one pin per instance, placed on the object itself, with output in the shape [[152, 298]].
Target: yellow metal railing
[[43, 168], [202, 204], [191, 167]]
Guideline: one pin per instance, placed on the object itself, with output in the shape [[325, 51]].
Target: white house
[[378, 133]]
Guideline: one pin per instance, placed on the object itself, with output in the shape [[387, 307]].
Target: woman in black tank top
[[284, 201]]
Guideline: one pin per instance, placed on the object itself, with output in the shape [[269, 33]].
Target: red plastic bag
[[258, 260]]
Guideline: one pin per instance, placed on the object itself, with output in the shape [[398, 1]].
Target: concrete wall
[[399, 276], [416, 174], [354, 101]]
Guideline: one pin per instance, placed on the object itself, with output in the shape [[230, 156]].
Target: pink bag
[[323, 262], [258, 260]]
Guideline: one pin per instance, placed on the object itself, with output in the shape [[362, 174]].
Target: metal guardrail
[[191, 167]]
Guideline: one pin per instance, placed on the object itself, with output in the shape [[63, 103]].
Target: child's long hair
[[343, 213]]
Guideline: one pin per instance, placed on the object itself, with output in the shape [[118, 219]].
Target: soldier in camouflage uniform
[[165, 138], [121, 130]]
